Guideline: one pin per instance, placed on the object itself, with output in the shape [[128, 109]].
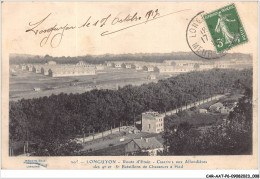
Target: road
[[131, 128], [105, 133], [195, 104]]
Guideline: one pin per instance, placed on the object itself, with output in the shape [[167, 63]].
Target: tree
[[230, 137], [181, 139], [57, 119]]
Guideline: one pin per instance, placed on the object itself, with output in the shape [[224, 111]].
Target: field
[[22, 83]]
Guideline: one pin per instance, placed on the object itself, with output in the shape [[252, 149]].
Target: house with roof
[[151, 77], [203, 111], [221, 64], [128, 65], [206, 66], [45, 70], [166, 69], [138, 67], [37, 89], [37, 69], [152, 122], [81, 63], [29, 67], [99, 67], [185, 63], [118, 65], [225, 110], [108, 64], [22, 67], [150, 145], [51, 63], [216, 107], [168, 62], [148, 68], [64, 71]]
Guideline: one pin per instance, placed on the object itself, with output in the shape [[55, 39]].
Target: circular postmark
[[199, 39]]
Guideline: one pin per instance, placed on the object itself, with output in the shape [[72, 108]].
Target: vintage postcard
[[129, 85]]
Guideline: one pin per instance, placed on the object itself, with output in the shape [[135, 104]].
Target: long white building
[[64, 71]]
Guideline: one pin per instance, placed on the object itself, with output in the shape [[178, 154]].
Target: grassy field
[[22, 83]]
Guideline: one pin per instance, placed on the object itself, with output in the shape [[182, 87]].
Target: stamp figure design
[[225, 28], [129, 85], [199, 40]]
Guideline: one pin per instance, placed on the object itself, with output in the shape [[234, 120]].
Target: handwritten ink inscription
[[54, 35]]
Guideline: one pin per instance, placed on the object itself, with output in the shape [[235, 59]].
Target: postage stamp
[[129, 86], [199, 40], [225, 28]]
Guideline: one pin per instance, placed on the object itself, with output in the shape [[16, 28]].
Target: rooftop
[[152, 113], [218, 104], [148, 143]]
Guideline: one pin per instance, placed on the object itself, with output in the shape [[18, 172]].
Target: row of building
[[60, 70], [220, 108], [167, 66], [175, 66]]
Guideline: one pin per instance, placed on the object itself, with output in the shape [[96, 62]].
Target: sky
[[163, 35]]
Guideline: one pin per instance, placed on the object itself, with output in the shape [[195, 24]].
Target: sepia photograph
[[125, 104], [129, 85]]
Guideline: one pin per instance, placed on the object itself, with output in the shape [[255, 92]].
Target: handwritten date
[[53, 35]]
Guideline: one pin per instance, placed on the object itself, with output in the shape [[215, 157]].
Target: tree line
[[100, 59], [232, 136], [53, 121]]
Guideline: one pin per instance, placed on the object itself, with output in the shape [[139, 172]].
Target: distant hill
[[99, 59], [19, 55]]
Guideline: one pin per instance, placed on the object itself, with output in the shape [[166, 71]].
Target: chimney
[[146, 140]]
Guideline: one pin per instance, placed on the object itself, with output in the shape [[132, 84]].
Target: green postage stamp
[[225, 28]]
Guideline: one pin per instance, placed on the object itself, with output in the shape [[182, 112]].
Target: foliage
[[232, 137], [54, 120], [99, 59]]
